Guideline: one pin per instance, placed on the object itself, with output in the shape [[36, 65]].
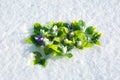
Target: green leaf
[[90, 30], [49, 36], [37, 57], [88, 45], [52, 23], [61, 24], [80, 35], [98, 43], [56, 40], [53, 47], [75, 25], [28, 40], [84, 43], [37, 27], [37, 54], [96, 36], [63, 29], [78, 25], [69, 47], [35, 62], [47, 27], [81, 23], [74, 22], [47, 50], [43, 62], [62, 32], [69, 55], [68, 41], [57, 54]]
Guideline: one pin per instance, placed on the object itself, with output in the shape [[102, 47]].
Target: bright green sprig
[[58, 38]]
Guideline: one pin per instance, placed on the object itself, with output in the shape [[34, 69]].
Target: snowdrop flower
[[54, 28], [79, 43]]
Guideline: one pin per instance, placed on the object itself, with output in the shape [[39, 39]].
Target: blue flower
[[39, 38], [70, 28]]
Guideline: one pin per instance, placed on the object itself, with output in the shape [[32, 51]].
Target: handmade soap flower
[[59, 38]]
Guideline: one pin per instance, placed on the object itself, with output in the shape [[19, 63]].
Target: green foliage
[[37, 27], [60, 37], [78, 25], [90, 30], [96, 36], [55, 54], [37, 57], [69, 55], [28, 40], [61, 24], [43, 62], [53, 47]]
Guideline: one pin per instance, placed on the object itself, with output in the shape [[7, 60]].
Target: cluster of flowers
[[58, 38]]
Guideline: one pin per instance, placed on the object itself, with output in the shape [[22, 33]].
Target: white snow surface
[[98, 63]]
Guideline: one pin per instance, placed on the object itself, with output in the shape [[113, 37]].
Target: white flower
[[54, 28], [46, 41], [64, 49], [42, 31], [79, 43], [89, 39], [72, 33]]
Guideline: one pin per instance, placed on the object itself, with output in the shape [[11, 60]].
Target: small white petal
[[42, 31], [36, 38], [72, 33], [55, 28], [55, 33], [64, 49], [46, 41], [89, 39], [41, 38], [79, 43]]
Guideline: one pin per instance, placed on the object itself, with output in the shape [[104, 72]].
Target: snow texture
[[99, 63]]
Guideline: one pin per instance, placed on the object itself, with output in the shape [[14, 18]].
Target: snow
[[99, 63]]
